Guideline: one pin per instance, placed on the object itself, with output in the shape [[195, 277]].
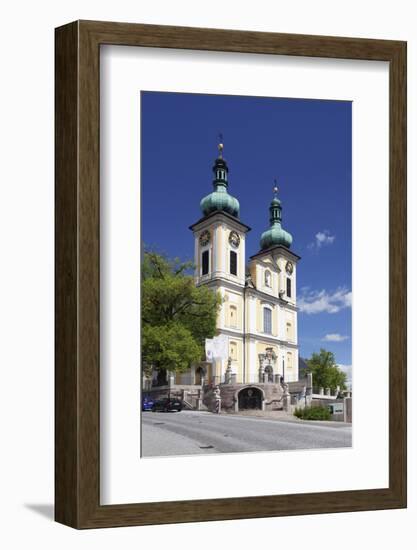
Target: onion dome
[[220, 200], [275, 235]]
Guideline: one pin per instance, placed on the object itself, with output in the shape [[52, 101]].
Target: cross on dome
[[275, 235], [220, 146], [220, 199]]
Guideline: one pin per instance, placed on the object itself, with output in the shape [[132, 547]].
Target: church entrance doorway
[[269, 373], [250, 398], [200, 375]]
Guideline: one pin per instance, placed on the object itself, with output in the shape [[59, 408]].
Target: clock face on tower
[[234, 239], [204, 238], [289, 268]]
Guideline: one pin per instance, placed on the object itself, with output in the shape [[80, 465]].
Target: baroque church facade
[[258, 314]]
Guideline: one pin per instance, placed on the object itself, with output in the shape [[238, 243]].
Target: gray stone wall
[[301, 391], [344, 416], [272, 396]]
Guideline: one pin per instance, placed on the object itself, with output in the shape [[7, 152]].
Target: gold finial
[[220, 146], [275, 189]]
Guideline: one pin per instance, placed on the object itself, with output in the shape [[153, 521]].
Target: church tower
[[219, 256], [272, 324]]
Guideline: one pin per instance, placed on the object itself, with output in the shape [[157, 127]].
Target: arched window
[[289, 360], [267, 320], [267, 278], [233, 262], [269, 372], [233, 316], [233, 351], [289, 331], [288, 287], [200, 375], [205, 262]]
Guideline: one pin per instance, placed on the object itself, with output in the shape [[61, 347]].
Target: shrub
[[313, 413]]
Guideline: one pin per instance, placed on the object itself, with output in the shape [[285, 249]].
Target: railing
[[253, 379], [325, 393]]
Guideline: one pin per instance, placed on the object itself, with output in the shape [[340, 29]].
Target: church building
[[258, 315]]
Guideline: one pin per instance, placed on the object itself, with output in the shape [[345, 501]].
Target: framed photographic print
[[230, 274]]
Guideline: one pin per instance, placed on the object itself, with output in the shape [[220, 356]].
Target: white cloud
[[334, 338], [324, 302], [322, 238]]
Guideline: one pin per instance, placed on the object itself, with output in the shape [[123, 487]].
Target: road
[[192, 432]]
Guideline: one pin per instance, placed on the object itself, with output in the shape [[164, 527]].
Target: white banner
[[217, 348], [209, 350], [220, 347]]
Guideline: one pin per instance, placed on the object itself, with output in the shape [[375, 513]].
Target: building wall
[[232, 310], [236, 316]]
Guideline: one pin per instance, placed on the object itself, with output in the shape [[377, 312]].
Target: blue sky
[[305, 144]]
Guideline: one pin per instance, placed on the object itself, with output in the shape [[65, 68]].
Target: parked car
[[147, 403], [167, 405]]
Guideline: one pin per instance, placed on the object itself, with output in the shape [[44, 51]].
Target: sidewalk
[[284, 417]]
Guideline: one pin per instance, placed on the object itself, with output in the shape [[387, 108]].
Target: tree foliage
[[170, 347], [177, 316], [326, 374]]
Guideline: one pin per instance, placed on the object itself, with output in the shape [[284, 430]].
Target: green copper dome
[[275, 235], [220, 200]]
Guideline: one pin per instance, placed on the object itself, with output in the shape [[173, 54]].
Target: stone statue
[[228, 373], [217, 400], [286, 398]]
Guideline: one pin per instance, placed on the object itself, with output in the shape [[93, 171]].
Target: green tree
[[326, 374], [177, 316], [170, 347]]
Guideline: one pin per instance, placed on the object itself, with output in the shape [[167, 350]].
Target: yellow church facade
[[258, 314]]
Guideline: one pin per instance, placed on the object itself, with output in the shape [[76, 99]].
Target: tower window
[[288, 287], [233, 262], [267, 320], [205, 262]]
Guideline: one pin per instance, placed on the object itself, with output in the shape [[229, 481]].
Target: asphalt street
[[191, 432]]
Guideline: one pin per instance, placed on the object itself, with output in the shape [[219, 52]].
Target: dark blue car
[[147, 403], [167, 405]]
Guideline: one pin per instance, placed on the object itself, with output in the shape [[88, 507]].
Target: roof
[[222, 213], [302, 365], [276, 248]]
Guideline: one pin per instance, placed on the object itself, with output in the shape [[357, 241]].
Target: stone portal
[[250, 398]]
